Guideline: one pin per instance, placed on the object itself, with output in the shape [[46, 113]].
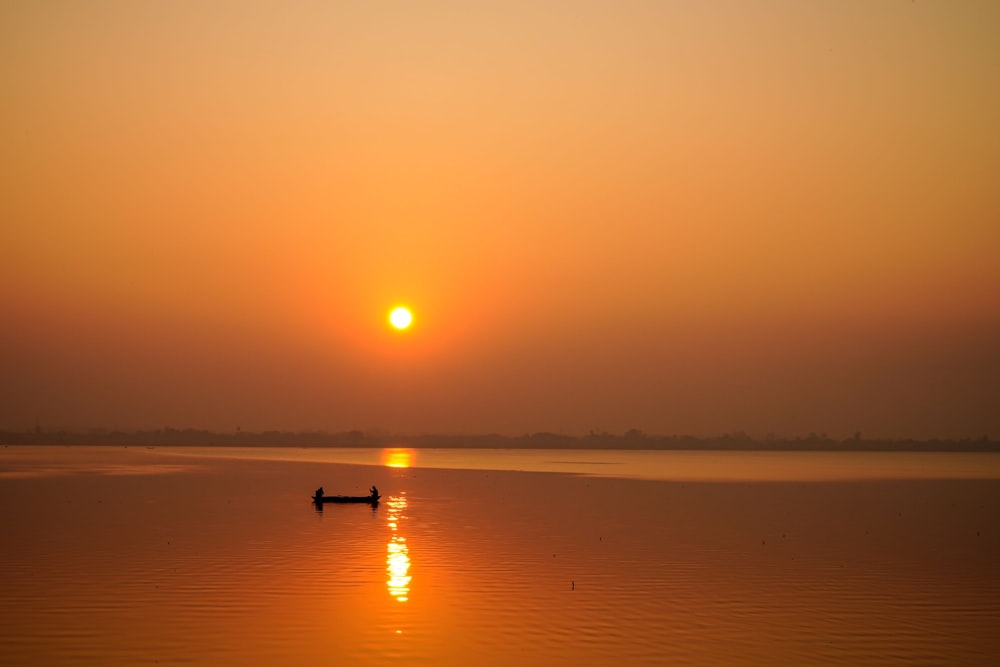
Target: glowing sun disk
[[401, 318]]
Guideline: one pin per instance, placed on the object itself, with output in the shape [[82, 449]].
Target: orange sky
[[683, 217]]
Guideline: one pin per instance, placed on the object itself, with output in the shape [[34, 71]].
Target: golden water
[[133, 556]]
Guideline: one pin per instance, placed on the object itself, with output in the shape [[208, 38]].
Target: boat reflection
[[397, 559]]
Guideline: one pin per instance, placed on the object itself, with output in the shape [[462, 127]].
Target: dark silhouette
[[365, 500], [372, 499]]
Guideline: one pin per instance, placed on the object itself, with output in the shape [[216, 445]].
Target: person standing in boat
[[374, 491], [319, 492]]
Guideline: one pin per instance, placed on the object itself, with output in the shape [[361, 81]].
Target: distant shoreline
[[632, 440]]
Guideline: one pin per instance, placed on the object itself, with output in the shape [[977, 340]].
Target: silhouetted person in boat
[[374, 491], [319, 492]]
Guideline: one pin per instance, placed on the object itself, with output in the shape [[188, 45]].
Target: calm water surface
[[128, 556]]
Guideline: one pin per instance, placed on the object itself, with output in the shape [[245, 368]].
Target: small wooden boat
[[369, 500]]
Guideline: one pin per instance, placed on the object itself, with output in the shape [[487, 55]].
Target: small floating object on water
[[369, 500]]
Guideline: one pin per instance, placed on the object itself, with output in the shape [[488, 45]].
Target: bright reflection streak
[[397, 559], [398, 457]]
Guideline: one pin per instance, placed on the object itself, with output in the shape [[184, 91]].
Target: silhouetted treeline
[[633, 439]]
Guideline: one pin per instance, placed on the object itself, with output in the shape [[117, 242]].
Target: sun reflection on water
[[398, 457], [397, 559]]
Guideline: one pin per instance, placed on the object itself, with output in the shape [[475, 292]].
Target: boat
[[369, 500]]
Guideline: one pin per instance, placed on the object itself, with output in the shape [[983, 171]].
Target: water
[[132, 556]]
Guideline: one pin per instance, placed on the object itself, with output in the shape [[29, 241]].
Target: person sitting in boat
[[374, 491], [319, 492]]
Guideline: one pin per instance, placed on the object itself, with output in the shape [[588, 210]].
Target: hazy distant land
[[633, 439]]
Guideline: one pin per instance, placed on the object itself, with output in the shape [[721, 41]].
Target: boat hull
[[367, 500]]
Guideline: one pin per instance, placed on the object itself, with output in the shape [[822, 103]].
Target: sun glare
[[401, 318], [397, 457]]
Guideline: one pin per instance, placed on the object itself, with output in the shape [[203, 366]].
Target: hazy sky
[[683, 217]]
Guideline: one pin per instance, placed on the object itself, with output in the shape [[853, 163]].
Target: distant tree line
[[632, 439]]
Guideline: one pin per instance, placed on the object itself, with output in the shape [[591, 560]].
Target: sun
[[401, 318]]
